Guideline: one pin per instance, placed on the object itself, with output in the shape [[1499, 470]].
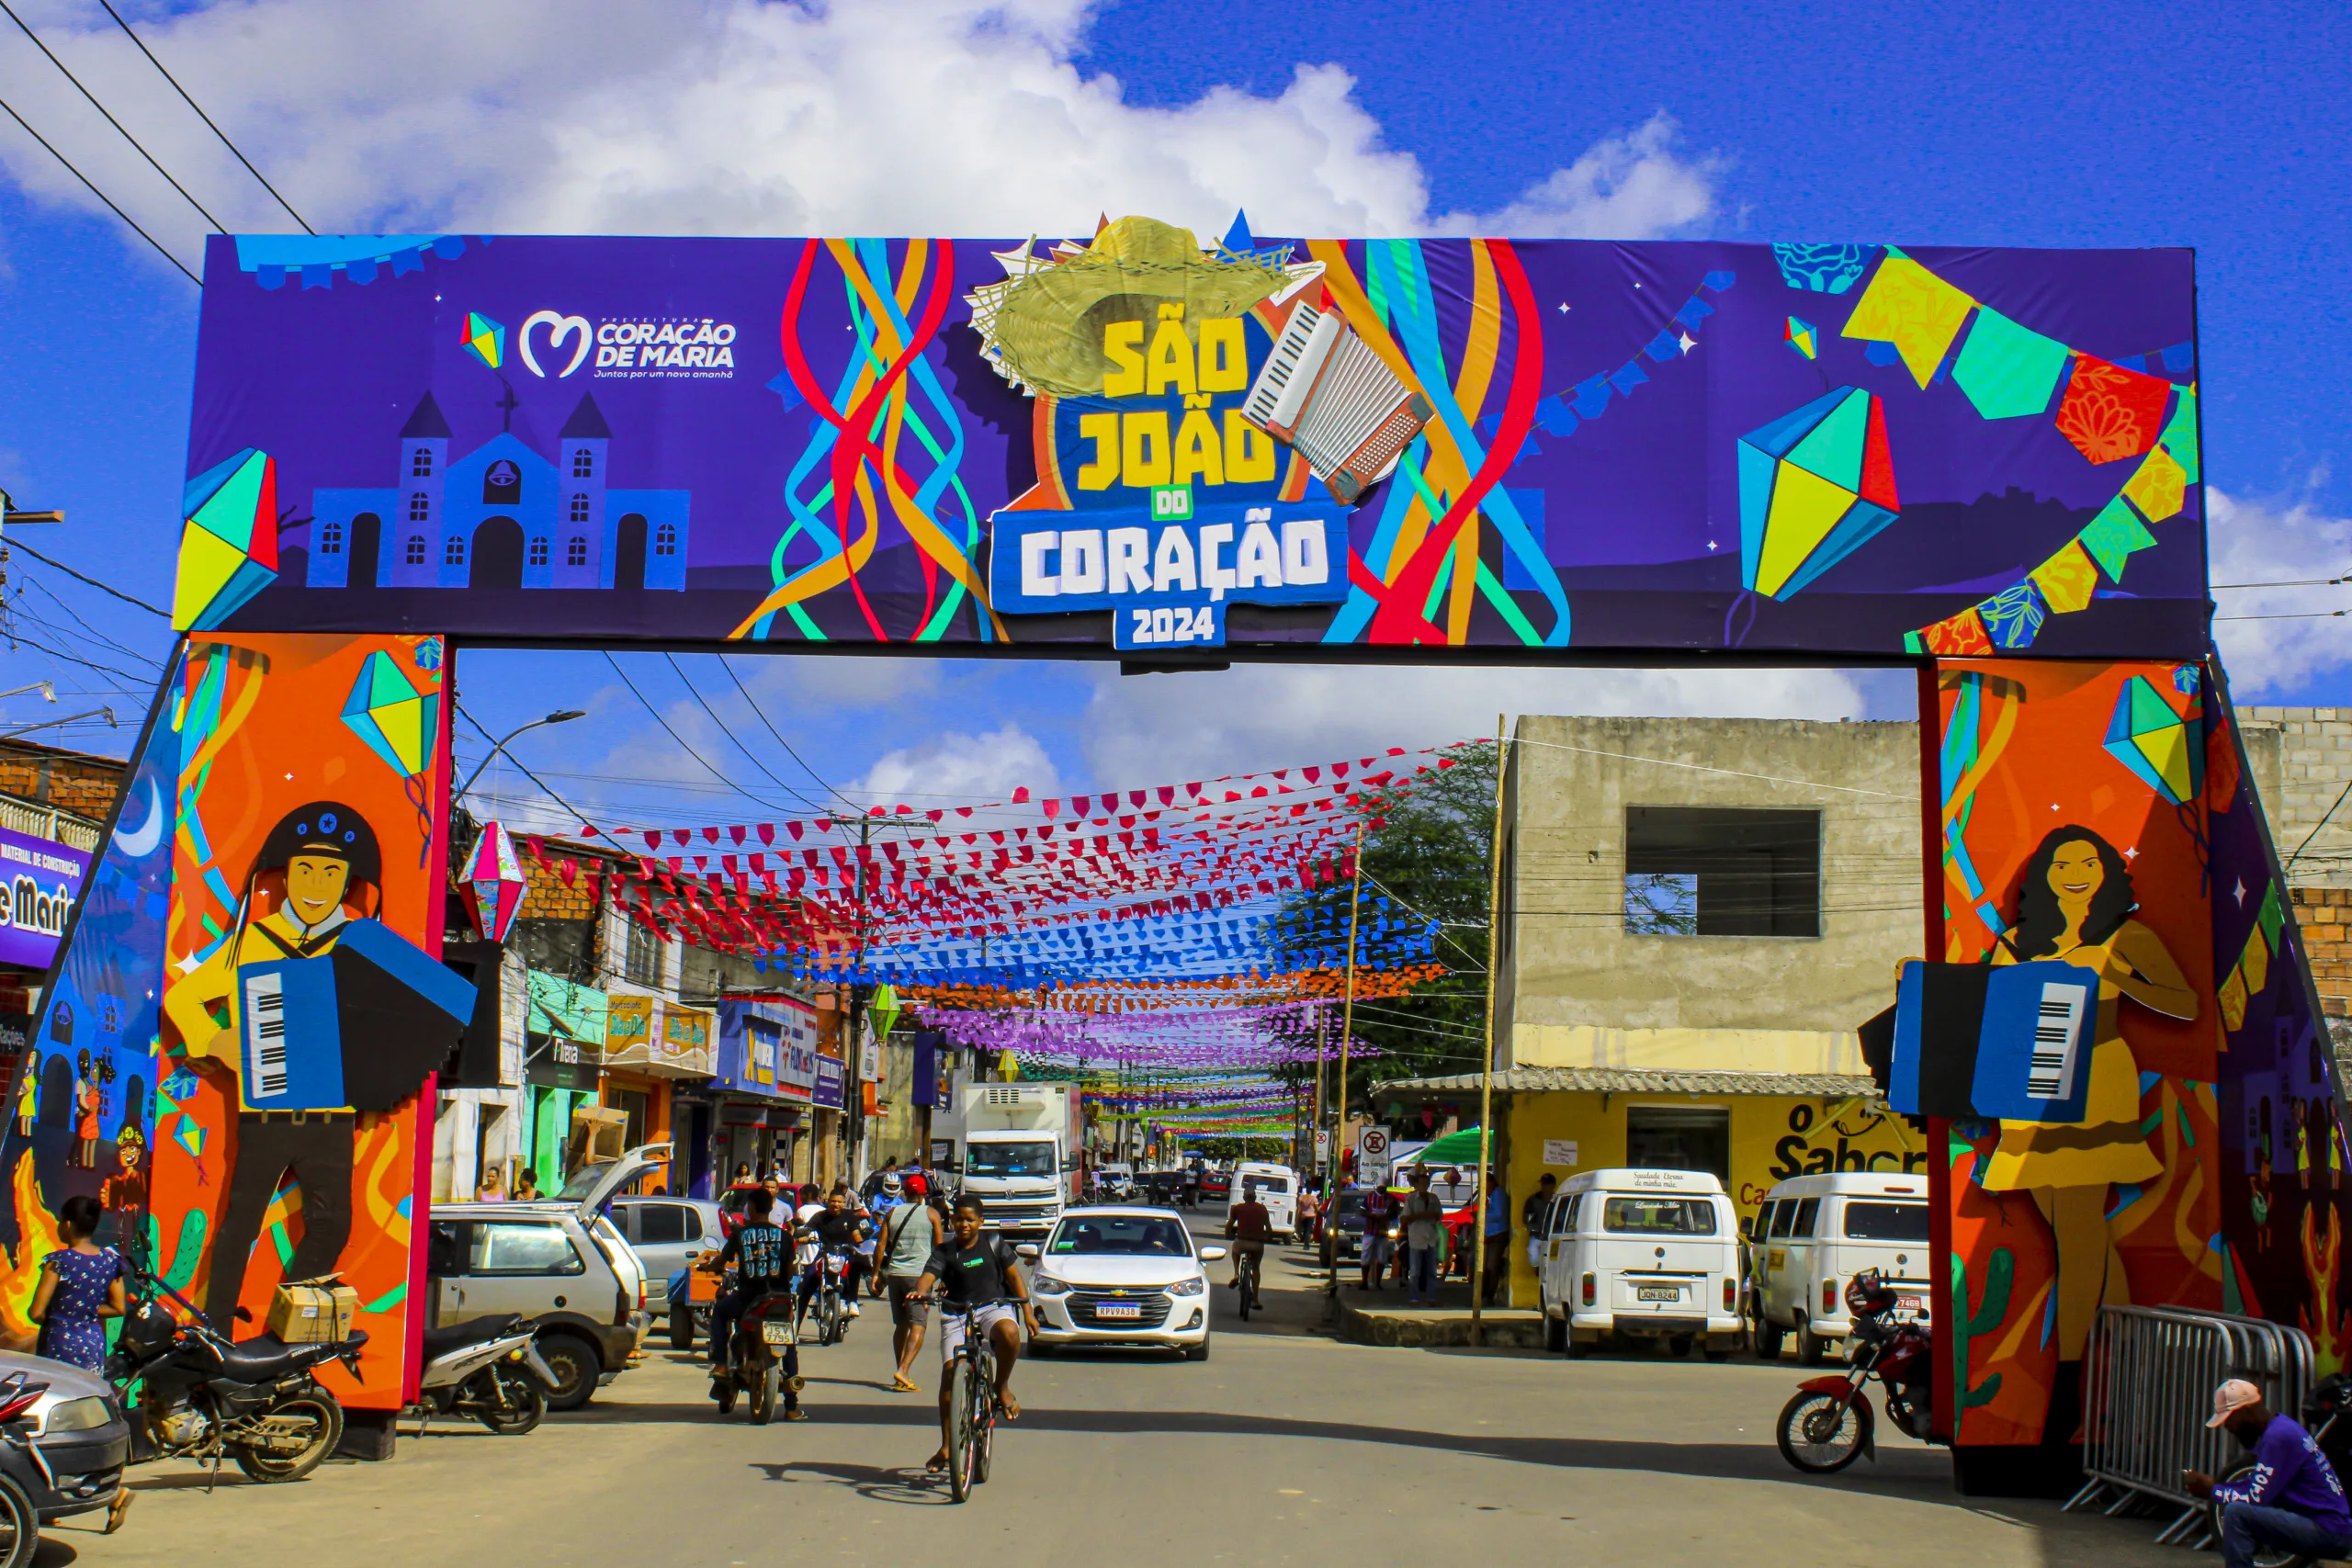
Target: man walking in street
[[1379, 1210], [910, 1235], [2291, 1501], [1424, 1219], [1498, 1260], [1534, 1216]]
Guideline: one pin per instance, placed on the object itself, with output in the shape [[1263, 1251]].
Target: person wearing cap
[[2290, 1500], [912, 1234]]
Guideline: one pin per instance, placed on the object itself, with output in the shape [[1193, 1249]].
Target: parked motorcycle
[[755, 1360], [489, 1371], [202, 1396], [1830, 1423]]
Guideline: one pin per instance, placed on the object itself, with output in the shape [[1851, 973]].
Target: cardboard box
[[313, 1311]]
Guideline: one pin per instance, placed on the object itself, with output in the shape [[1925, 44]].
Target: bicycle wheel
[[982, 1398], [960, 1438], [1248, 1288]]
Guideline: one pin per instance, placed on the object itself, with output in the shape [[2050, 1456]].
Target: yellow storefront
[[1756, 1128]]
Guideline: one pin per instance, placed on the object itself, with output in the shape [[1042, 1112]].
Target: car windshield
[[584, 1181], [1267, 1185], [1119, 1236], [1659, 1216], [1886, 1221], [1349, 1204], [1011, 1159]]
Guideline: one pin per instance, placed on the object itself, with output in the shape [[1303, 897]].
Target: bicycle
[[971, 1427], [1246, 1270]]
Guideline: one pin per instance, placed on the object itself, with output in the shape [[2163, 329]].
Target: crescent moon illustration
[[149, 833]]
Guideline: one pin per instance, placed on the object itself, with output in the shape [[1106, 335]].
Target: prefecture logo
[[674, 346]]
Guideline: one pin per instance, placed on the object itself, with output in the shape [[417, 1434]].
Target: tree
[[1429, 855]]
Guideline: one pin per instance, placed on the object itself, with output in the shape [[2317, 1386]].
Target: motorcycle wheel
[[2264, 1556], [19, 1525], [312, 1424], [515, 1403], [763, 1393], [1818, 1437], [828, 1319]]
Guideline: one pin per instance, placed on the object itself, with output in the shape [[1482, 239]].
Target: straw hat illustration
[[1046, 330]]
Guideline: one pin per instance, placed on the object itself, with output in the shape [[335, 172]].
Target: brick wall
[[2324, 914], [72, 781], [2302, 761]]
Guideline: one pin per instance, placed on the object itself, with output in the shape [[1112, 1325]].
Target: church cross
[[509, 403]]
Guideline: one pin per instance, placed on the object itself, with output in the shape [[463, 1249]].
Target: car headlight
[[1049, 1286], [1191, 1287], [79, 1415]]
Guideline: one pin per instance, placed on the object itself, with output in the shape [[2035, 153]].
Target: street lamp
[[562, 715]]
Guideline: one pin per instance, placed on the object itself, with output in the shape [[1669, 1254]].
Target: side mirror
[[1027, 1249], [1211, 1254]]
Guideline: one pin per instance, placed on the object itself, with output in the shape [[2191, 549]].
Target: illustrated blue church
[[500, 516]]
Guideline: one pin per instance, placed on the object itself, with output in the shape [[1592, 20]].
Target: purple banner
[[39, 878], [828, 1092], [1144, 438]]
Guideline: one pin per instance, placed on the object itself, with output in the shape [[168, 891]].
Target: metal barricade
[[2148, 1391]]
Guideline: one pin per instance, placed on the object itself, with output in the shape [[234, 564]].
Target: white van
[[1815, 1233], [1641, 1254], [1277, 1189]]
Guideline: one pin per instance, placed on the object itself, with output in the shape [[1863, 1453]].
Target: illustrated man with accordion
[[324, 1015]]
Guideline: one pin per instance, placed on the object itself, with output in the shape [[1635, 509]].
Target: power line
[[94, 582], [796, 794], [206, 117], [681, 739], [102, 196], [762, 717], [2303, 615], [526, 773], [89, 632], [215, 223]]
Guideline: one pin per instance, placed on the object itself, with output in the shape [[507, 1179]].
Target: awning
[[1641, 1080]]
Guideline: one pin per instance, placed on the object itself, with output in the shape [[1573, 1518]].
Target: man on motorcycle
[[762, 1260], [837, 1230], [2290, 1500]]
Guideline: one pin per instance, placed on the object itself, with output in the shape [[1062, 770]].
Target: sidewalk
[[1382, 1317]]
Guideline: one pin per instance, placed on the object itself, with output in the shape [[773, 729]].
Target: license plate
[[776, 1333], [1911, 1304], [1657, 1292], [1118, 1309]]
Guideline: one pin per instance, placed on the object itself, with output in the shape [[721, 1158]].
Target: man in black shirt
[[971, 1273], [762, 1255], [836, 1232]]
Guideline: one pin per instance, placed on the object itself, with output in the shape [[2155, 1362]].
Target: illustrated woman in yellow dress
[[2075, 907]]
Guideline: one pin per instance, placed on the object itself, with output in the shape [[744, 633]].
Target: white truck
[[1010, 1146]]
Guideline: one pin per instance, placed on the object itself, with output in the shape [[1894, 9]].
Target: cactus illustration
[[2000, 1274]]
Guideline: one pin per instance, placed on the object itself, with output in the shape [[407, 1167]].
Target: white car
[[1121, 1275]]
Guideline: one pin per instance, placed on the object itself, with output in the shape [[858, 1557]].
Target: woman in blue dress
[[80, 1285]]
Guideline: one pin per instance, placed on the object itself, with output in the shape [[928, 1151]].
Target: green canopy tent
[[1454, 1148]]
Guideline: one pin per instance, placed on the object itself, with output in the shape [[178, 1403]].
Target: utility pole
[[1347, 1025], [1487, 1063]]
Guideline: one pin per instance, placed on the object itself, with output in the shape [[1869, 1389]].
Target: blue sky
[[2021, 125]]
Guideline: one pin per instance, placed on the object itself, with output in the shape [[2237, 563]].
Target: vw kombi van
[[1641, 1255]]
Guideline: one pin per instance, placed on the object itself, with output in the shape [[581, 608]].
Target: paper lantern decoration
[[485, 339], [1814, 487], [2149, 737], [398, 721], [228, 540], [494, 882]]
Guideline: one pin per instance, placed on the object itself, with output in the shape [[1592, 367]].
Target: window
[[454, 552], [1807, 1212], [420, 463], [1564, 1214], [1710, 871], [1784, 1217], [1886, 1221], [580, 509], [540, 551], [1659, 1216], [642, 964], [419, 507], [665, 540], [416, 549], [330, 537], [1023, 1158], [524, 1249], [1121, 1235], [1764, 1218], [1679, 1137], [659, 1223], [583, 464], [576, 552]]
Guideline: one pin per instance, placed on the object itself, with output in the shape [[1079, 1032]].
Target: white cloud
[[734, 117], [957, 768], [1155, 728], [2269, 542]]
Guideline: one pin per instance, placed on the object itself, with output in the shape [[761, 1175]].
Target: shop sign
[[38, 878], [828, 1090]]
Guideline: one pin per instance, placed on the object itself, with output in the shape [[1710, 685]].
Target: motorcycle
[[202, 1396], [489, 1371], [830, 1302], [1830, 1423], [766, 1332]]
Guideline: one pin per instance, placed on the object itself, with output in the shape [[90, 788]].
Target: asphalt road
[[1284, 1447]]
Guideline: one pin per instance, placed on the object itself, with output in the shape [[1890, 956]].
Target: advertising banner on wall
[[39, 880], [1151, 440]]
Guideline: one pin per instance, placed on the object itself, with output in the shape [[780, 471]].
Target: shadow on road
[[909, 1485]]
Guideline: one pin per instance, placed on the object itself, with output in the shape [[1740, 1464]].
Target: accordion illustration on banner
[[1323, 392], [360, 1026], [2010, 1044]]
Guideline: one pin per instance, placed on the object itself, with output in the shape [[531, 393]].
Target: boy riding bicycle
[[1250, 1227], [981, 1278]]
